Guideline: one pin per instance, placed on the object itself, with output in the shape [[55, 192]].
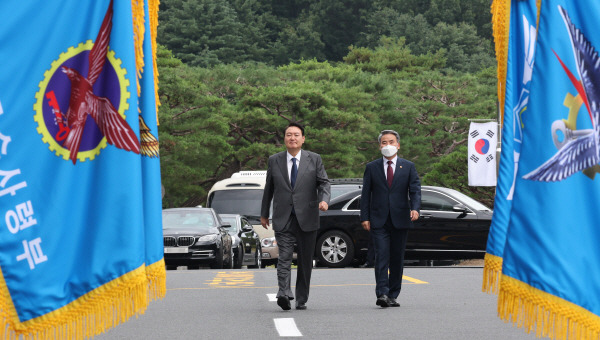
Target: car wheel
[[335, 249], [257, 258], [171, 267], [193, 267], [239, 259]]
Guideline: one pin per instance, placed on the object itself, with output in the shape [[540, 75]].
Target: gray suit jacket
[[312, 186]]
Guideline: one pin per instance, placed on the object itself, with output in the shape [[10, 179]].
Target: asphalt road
[[436, 303]]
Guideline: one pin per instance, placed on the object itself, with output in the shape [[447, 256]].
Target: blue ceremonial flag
[[155, 265], [77, 223], [550, 277], [519, 66]]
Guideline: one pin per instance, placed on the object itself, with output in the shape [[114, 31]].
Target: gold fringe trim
[[153, 12], [492, 269], [530, 308], [157, 280], [500, 27], [137, 8], [103, 308]]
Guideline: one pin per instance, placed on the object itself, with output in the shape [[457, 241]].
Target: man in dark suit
[[298, 186], [387, 212]]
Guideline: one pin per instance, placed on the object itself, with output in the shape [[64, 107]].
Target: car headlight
[[268, 242], [208, 238]]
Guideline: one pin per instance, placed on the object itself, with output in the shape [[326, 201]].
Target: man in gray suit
[[298, 186]]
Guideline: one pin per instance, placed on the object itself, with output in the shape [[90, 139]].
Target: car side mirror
[[247, 227], [226, 225], [460, 208]]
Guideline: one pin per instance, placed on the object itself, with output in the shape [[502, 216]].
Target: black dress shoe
[[300, 305], [366, 265], [383, 301], [284, 303], [393, 302]]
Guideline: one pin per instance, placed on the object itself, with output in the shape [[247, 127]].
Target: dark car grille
[[181, 241], [184, 241]]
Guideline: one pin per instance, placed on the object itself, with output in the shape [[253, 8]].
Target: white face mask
[[389, 150]]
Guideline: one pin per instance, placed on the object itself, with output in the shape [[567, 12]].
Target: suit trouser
[[389, 244], [306, 241]]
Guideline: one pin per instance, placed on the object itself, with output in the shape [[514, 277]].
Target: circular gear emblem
[[53, 98]]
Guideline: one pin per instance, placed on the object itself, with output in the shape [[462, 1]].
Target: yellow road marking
[[413, 280], [233, 280]]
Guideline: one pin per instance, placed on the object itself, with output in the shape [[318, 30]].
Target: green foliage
[[392, 55], [226, 118], [210, 32], [463, 49]]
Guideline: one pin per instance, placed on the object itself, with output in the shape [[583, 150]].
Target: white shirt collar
[[289, 157], [394, 160]]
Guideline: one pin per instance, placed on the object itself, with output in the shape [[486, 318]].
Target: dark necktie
[[390, 174], [294, 172]]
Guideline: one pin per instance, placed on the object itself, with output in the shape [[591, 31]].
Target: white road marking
[[272, 297], [287, 327]]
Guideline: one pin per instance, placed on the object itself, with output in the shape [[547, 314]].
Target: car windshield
[[230, 220], [340, 189], [202, 221], [242, 201], [469, 201]]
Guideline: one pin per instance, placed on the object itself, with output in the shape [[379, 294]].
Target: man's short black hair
[[296, 125]]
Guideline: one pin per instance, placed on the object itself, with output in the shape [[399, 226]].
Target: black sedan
[[451, 226], [196, 236], [246, 242]]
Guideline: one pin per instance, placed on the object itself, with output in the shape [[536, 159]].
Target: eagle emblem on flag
[[579, 149], [87, 81]]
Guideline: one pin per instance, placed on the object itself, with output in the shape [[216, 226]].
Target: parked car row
[[451, 226], [195, 237]]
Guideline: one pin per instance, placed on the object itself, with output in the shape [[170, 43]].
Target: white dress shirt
[[290, 164], [385, 165]]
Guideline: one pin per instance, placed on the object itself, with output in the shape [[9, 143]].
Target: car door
[[344, 216], [441, 226]]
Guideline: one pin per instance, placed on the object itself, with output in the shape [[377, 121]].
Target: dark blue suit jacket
[[378, 201]]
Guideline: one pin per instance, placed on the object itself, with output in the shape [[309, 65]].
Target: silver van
[[242, 194]]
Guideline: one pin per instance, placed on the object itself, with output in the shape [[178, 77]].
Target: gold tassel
[[492, 268], [500, 27], [93, 313], [157, 280], [531, 308], [148, 143], [153, 11], [137, 8]]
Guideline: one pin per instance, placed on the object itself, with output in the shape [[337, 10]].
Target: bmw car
[[195, 237]]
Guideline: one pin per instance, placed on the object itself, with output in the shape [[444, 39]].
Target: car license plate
[[177, 250]]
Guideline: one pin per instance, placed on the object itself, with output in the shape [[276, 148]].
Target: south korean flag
[[482, 153]]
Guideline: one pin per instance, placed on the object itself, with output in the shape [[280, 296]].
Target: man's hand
[[323, 206], [414, 215], [366, 225], [265, 222]]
